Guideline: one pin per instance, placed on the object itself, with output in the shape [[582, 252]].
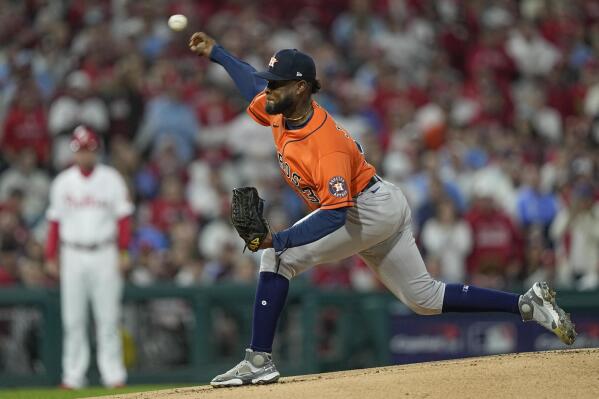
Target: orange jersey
[[320, 160]]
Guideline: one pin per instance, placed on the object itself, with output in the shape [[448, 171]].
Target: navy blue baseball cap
[[289, 64]]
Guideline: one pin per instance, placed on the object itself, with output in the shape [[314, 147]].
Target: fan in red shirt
[[170, 206], [26, 124], [497, 246]]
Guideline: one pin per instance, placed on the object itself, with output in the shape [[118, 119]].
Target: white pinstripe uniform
[[87, 209]]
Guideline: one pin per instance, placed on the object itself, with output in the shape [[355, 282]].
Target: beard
[[278, 107]]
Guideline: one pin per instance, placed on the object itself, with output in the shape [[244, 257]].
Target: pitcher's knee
[[270, 263], [426, 299], [423, 310]]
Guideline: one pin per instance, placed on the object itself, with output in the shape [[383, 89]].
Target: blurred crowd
[[486, 114]]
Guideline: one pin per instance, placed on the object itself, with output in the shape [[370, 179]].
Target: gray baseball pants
[[378, 229]]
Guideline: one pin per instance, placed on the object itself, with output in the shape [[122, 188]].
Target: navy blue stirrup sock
[[270, 300], [467, 298]]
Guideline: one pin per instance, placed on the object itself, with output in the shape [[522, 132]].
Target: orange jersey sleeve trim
[[337, 205], [257, 118], [256, 110]]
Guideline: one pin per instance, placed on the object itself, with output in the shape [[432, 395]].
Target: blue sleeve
[[316, 226], [241, 72]]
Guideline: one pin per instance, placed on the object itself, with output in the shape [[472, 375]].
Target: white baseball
[[177, 22]]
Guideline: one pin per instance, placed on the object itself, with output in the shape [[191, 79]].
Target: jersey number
[[310, 194]]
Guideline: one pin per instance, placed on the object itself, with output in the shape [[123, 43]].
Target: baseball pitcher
[[354, 212], [89, 232]]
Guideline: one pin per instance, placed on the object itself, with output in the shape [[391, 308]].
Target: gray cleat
[[256, 368], [538, 303]]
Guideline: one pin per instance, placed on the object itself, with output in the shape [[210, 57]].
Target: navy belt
[[373, 180]]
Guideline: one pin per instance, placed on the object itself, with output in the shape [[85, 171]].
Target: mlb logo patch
[[338, 187]]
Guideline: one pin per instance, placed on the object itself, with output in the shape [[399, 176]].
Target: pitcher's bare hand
[[201, 44]]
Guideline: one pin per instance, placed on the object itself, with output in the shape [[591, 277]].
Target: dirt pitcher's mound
[[555, 374]]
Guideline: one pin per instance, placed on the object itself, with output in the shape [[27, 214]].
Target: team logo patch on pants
[[338, 187]]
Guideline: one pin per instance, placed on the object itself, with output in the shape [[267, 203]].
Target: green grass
[[56, 393]]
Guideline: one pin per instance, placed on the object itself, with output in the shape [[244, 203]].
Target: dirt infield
[[566, 374]]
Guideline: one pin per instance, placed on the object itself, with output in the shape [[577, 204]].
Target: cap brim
[[269, 76]]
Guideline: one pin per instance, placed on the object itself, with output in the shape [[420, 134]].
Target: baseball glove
[[247, 218]]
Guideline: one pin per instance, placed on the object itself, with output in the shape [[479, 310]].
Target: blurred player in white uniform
[[89, 231]]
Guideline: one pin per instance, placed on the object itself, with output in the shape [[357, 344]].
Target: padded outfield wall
[[173, 334]]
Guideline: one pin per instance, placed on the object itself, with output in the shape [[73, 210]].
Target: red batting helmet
[[84, 139]]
